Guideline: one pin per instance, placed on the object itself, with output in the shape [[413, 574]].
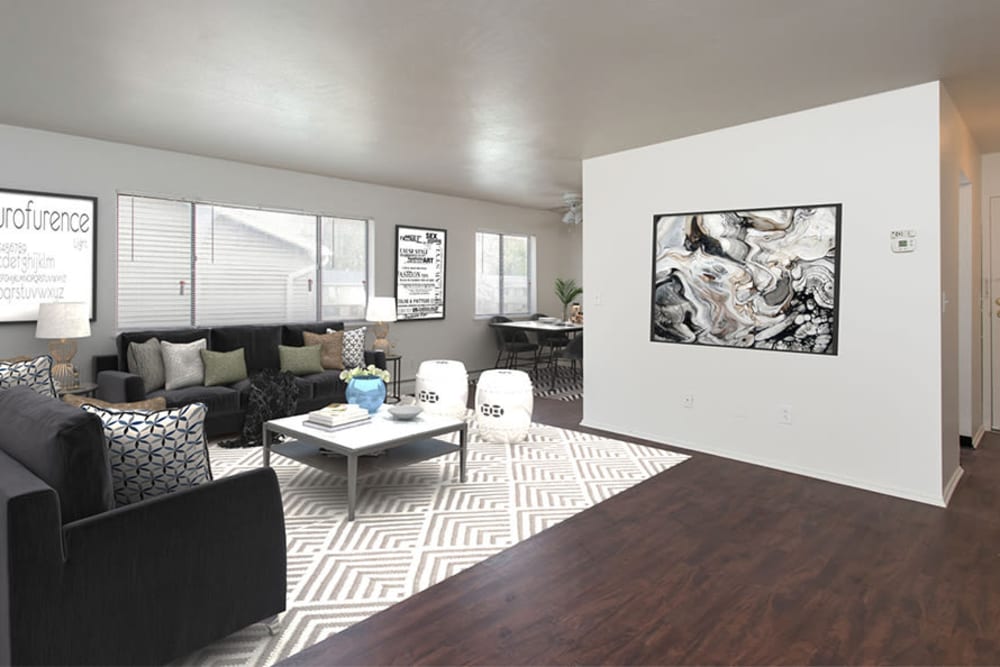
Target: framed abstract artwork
[[48, 250], [764, 279], [420, 273]]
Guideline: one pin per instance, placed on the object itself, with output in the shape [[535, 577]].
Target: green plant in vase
[[567, 292]]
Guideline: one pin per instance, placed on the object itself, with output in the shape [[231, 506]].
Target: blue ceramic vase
[[367, 391]]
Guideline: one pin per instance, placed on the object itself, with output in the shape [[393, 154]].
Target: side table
[[82, 389], [394, 363]]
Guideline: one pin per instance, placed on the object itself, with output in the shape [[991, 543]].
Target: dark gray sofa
[[226, 404], [82, 582]]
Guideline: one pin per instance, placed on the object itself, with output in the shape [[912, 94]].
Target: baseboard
[[864, 485], [952, 484], [978, 437]]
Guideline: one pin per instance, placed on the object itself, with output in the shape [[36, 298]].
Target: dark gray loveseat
[[82, 582], [226, 404]]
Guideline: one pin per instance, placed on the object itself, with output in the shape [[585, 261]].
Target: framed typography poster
[[420, 273], [48, 249]]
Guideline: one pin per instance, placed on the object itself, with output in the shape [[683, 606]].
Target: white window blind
[[154, 262], [183, 263]]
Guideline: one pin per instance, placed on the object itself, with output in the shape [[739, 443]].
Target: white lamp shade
[[381, 309], [66, 319]]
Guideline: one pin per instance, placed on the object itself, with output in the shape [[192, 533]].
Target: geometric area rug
[[418, 525]]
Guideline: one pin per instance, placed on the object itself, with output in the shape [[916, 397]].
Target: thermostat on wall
[[903, 240]]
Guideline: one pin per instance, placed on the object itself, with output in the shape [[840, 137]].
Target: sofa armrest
[[376, 357], [149, 582], [120, 387], [104, 362]]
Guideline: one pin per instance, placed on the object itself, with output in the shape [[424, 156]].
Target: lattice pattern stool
[[504, 402], [443, 387]]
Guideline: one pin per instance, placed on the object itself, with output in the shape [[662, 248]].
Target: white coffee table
[[405, 442]]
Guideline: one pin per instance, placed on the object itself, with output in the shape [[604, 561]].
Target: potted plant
[[567, 291], [365, 386]]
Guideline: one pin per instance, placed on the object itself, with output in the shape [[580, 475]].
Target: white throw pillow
[[182, 364]]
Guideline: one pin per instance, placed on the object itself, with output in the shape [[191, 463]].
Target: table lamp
[[381, 311], [63, 322]]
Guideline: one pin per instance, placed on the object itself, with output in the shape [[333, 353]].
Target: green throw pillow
[[224, 367], [304, 360]]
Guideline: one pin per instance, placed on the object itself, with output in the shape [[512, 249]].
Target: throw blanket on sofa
[[273, 395]]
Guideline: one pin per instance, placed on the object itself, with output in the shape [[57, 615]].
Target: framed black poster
[[420, 273], [764, 279], [48, 250]]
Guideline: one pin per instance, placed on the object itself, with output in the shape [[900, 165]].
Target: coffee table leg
[[463, 438], [352, 484], [266, 437]]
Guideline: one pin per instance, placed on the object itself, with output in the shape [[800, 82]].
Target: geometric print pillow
[[35, 374], [354, 348], [155, 453]]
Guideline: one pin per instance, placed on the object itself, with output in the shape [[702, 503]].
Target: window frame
[[531, 275], [194, 203]]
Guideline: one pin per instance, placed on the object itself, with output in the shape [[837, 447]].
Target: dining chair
[[549, 340], [513, 343], [572, 352]]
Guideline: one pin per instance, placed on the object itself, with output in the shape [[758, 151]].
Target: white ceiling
[[492, 99]]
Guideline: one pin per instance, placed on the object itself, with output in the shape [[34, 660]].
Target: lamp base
[[63, 372], [381, 343]]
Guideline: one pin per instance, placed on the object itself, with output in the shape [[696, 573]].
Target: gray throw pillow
[[224, 367], [354, 347], [182, 364], [304, 360], [146, 361]]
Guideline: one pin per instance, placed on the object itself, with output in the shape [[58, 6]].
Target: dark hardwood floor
[[718, 562]]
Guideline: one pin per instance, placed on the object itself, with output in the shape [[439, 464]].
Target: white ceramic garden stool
[[443, 387], [504, 402]]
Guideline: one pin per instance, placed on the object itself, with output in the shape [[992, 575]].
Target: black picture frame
[[43, 237], [421, 273], [697, 274]]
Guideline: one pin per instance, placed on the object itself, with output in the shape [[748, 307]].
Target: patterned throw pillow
[[331, 347], [146, 361], [354, 347], [35, 374], [155, 453], [182, 364]]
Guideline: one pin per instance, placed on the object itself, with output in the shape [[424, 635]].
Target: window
[[191, 263], [505, 274]]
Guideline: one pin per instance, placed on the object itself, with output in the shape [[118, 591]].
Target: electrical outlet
[[785, 415], [687, 400]]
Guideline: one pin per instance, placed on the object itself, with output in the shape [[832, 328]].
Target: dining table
[[540, 328]]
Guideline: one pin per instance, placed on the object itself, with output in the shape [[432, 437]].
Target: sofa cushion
[[155, 453], [354, 347], [259, 343], [217, 399], [35, 374], [331, 348], [146, 361], [224, 367], [326, 385], [291, 334], [182, 364], [60, 444], [176, 335]]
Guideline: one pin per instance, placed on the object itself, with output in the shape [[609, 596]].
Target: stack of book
[[337, 415]]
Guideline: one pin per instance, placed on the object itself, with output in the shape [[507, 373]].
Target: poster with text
[[47, 250], [420, 273]]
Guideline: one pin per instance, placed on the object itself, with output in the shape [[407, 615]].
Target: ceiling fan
[[574, 208]]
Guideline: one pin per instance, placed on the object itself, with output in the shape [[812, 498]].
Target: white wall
[[53, 162], [869, 417], [959, 160], [990, 177]]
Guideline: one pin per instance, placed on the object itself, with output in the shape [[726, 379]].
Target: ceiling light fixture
[[574, 208]]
